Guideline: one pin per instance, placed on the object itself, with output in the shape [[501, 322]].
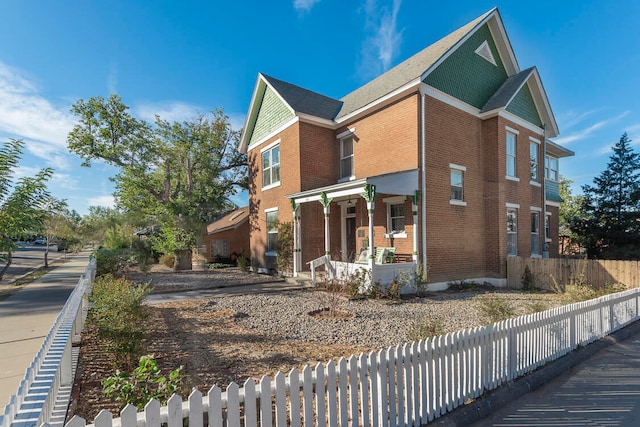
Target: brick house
[[228, 237], [442, 160]]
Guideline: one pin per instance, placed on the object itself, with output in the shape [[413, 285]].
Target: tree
[[181, 174], [570, 211], [21, 202], [611, 224], [54, 223]]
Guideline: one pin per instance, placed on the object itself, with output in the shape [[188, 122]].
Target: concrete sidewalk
[[26, 318], [596, 385]]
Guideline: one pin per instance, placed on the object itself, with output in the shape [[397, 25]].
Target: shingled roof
[[507, 91], [305, 101], [405, 72]]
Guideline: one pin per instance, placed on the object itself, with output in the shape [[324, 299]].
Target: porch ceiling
[[403, 183]]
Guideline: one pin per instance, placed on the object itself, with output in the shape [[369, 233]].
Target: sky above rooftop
[[181, 59]]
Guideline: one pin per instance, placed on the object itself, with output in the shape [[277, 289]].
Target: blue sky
[[180, 59]]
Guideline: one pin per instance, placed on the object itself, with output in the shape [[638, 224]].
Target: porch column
[[296, 237], [414, 211], [369, 195], [325, 201]]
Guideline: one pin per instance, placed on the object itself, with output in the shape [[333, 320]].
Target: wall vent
[[484, 51]]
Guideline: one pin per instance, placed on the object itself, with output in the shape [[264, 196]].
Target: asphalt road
[[29, 257]]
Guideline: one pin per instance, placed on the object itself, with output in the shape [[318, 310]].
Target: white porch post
[[369, 195], [325, 205], [296, 236], [414, 210]]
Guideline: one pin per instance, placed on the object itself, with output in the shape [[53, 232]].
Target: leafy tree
[[570, 211], [181, 174], [54, 223], [21, 202], [611, 226]]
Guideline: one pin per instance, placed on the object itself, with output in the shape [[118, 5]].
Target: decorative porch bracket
[[325, 201]]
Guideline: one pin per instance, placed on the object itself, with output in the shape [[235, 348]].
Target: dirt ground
[[213, 348]]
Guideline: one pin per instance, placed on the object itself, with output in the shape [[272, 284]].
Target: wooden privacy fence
[[597, 273], [407, 385], [37, 397]]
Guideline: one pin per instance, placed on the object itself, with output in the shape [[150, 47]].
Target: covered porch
[[384, 244]]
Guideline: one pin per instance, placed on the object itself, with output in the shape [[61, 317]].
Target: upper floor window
[[457, 184], [533, 160], [551, 168], [346, 157], [511, 154], [271, 166]]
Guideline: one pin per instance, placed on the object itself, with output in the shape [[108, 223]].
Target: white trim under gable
[[307, 118], [274, 133], [450, 100], [517, 120]]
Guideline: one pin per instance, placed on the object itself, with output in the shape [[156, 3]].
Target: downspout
[[423, 155]]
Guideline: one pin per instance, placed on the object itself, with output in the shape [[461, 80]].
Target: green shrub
[[425, 327], [117, 312], [146, 382], [244, 263], [110, 261], [495, 308], [528, 279], [168, 260]]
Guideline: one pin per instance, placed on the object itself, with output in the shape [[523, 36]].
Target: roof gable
[[468, 76], [524, 106], [272, 113], [230, 221]]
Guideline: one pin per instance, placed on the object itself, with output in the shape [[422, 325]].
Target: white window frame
[[268, 150], [512, 233], [267, 212], [511, 157], [534, 163], [535, 234], [221, 244], [342, 137], [547, 227], [548, 170], [394, 201], [453, 168]]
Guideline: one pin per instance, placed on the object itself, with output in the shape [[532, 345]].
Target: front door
[[350, 237]]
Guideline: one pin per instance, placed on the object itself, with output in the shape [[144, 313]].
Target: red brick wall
[[238, 241]]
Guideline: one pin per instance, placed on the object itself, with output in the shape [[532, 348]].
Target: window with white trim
[[512, 231], [511, 154], [547, 228], [457, 184], [271, 166], [346, 157], [272, 232], [535, 233], [533, 160], [551, 168], [395, 215]]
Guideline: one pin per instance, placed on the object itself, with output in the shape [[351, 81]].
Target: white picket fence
[[411, 384], [51, 370]]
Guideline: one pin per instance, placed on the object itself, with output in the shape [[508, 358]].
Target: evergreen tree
[[611, 226]]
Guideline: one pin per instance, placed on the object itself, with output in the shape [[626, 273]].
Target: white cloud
[[107, 201], [237, 120], [383, 45], [26, 115], [173, 111], [304, 5], [585, 133]]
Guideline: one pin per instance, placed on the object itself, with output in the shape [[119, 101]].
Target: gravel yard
[[232, 338]]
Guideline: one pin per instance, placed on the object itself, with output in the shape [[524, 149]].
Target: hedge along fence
[[597, 273], [412, 384]]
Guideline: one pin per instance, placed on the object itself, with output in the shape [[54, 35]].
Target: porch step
[[304, 278]]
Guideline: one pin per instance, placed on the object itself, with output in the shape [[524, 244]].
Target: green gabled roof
[[524, 106], [407, 71], [468, 76], [272, 113]]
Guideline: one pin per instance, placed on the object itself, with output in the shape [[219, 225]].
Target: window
[[396, 218], [272, 232], [456, 185], [346, 157], [271, 166], [535, 233], [533, 159], [551, 168], [547, 228], [219, 248], [511, 154], [512, 232]]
